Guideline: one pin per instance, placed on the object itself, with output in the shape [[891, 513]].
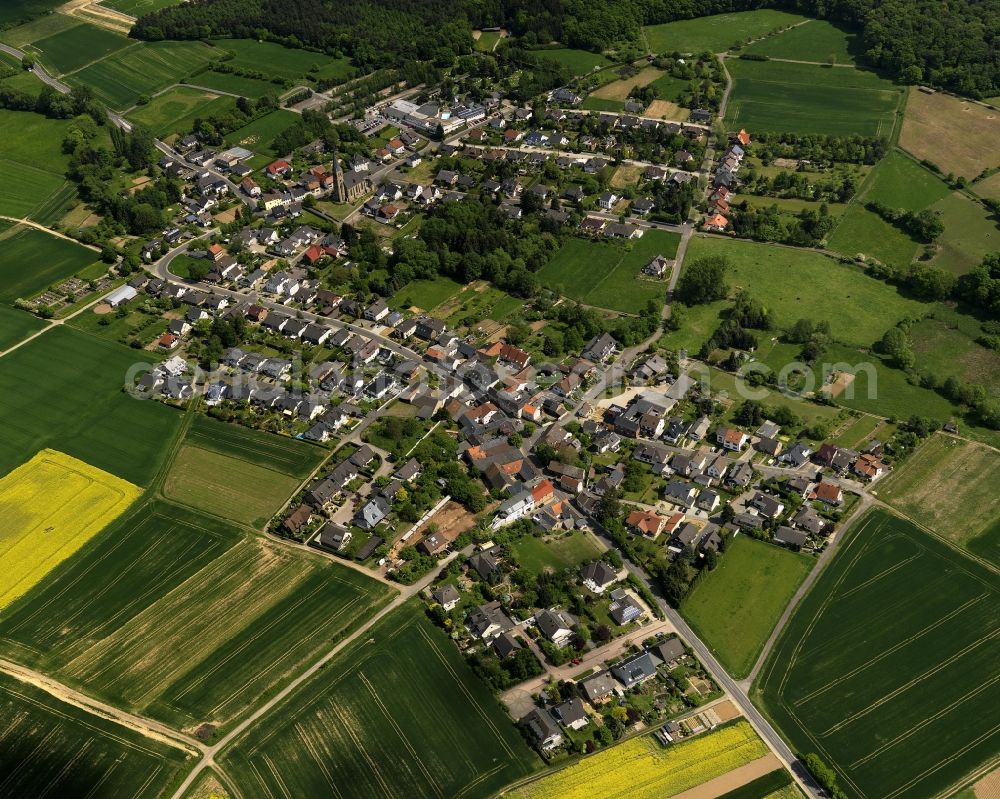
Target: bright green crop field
[[250, 613], [802, 98], [280, 453], [580, 61], [286, 62], [887, 669], [402, 696], [62, 750], [716, 33], [76, 47], [31, 260], [176, 110], [816, 40]]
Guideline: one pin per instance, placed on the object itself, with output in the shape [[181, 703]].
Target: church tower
[[339, 189]]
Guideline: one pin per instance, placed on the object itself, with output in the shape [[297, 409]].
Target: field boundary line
[[310, 747]]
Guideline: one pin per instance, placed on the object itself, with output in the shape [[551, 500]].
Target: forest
[[948, 43]]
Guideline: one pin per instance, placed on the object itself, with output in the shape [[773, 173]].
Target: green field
[[816, 40], [716, 33], [178, 616], [862, 232], [279, 453], [735, 607], [887, 668], [945, 345], [425, 294], [16, 325], [291, 63], [399, 714], [605, 274], [76, 47], [580, 61], [176, 110], [234, 84], [53, 748], [64, 391], [487, 41], [39, 28], [122, 78], [31, 260], [260, 134], [602, 104], [802, 98], [139, 7], [969, 234], [12, 11], [795, 283], [536, 555]]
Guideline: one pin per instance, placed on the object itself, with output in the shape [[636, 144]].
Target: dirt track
[[732, 779]]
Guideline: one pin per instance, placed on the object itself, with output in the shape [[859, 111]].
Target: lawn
[[292, 63], [260, 134], [228, 487], [716, 33], [176, 615], [949, 485], [64, 391], [53, 505], [816, 40], [176, 110], [900, 182], [536, 554], [887, 668], [803, 98], [735, 607], [970, 233], [402, 696], [122, 78], [580, 61], [425, 294], [53, 748], [971, 130], [278, 453], [71, 49], [650, 770], [606, 274], [31, 261], [795, 283]]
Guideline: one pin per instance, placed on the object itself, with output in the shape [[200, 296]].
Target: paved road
[[38, 69]]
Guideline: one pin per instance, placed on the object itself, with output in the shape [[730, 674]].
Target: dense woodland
[[949, 43]]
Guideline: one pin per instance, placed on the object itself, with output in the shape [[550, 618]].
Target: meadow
[[176, 615], [569, 551], [971, 130], [176, 110], [234, 84], [734, 607], [716, 33], [52, 506], [227, 487], [945, 345], [398, 697], [620, 89], [803, 98], [580, 61], [642, 768], [64, 391], [593, 103], [858, 308], [970, 233], [887, 669], [260, 134], [487, 41], [122, 78], [277, 453], [425, 294], [78, 46], [606, 274], [816, 40], [949, 485], [64, 751], [31, 261], [291, 63]]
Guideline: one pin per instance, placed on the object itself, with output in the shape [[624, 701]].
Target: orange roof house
[[743, 137], [645, 522], [542, 492], [716, 222]]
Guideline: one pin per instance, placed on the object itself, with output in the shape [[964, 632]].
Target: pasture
[[649, 769], [815, 40], [606, 274], [52, 506], [227, 487], [579, 61], [887, 669], [64, 391], [31, 260], [291, 63], [271, 451], [122, 78], [945, 345], [803, 98], [972, 132], [862, 232], [536, 555], [858, 308], [260, 134], [400, 696], [970, 233], [734, 607], [176, 110], [486, 41], [53, 748], [425, 294], [716, 33], [949, 485], [78, 46], [178, 616], [900, 182]]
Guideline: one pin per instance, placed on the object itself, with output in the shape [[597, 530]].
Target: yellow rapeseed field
[[50, 507], [642, 769]]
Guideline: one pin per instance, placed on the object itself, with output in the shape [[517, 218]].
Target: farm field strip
[[279, 453], [909, 717]]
